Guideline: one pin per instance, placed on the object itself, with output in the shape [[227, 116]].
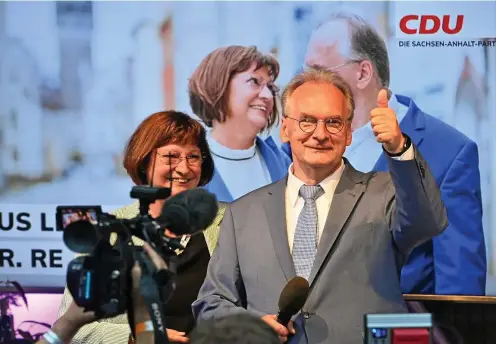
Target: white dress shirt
[[294, 202]]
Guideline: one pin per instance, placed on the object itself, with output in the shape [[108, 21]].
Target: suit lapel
[[413, 124], [277, 169], [275, 210], [348, 192]]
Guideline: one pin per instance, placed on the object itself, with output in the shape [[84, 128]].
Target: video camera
[[100, 279]]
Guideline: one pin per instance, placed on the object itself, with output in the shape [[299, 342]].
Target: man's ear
[[348, 135], [364, 74], [284, 130]]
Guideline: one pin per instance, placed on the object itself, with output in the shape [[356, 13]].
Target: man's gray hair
[[365, 43]]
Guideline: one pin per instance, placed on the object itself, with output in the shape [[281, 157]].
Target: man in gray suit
[[345, 231]]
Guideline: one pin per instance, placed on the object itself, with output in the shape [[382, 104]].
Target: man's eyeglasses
[[175, 159], [331, 69], [308, 124]]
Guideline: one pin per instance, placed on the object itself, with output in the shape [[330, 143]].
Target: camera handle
[[150, 290], [144, 206], [147, 194]]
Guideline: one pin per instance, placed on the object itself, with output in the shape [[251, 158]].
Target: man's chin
[[321, 163], [326, 165]]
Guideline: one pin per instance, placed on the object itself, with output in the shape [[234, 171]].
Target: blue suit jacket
[[455, 261], [277, 163]]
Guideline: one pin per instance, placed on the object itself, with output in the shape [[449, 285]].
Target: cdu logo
[[431, 24]]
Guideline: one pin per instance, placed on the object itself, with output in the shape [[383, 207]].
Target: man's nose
[[320, 133]]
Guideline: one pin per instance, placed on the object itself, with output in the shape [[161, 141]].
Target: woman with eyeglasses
[[168, 149], [233, 92]]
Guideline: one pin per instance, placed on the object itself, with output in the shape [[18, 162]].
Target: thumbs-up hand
[[385, 125]]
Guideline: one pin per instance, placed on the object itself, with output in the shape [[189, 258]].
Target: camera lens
[[80, 237]]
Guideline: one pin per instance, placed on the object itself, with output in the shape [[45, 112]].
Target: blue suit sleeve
[[460, 251]]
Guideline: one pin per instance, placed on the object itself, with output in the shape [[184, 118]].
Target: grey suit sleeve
[[108, 331], [414, 208], [222, 291]]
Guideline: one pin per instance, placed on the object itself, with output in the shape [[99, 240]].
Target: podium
[[458, 319]]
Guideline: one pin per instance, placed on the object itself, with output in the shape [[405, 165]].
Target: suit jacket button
[[306, 315]]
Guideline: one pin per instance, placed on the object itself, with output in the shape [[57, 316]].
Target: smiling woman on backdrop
[[233, 92], [164, 144]]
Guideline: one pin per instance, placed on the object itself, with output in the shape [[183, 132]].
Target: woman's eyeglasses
[[260, 84], [175, 159]]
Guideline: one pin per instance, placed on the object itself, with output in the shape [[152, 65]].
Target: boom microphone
[[189, 211], [292, 299]]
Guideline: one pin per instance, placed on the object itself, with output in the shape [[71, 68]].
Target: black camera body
[[100, 279]]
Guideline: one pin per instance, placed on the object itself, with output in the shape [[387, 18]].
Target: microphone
[[189, 212], [292, 299]]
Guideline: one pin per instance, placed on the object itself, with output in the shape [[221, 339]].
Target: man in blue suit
[[455, 261]]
